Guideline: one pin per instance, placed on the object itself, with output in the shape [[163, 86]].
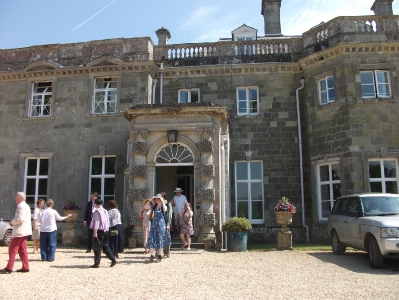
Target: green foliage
[[236, 224], [208, 237]]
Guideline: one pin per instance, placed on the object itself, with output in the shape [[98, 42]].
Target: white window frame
[[37, 177], [104, 102], [41, 101], [245, 49], [249, 200], [383, 179], [189, 94], [327, 90], [376, 85], [103, 176], [331, 182], [247, 101]]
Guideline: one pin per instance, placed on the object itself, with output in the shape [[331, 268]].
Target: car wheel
[[7, 237], [376, 260], [336, 245]]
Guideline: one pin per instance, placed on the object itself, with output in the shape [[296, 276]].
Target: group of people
[[101, 223], [159, 216]]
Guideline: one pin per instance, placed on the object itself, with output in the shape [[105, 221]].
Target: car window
[[349, 206], [380, 205], [335, 210]]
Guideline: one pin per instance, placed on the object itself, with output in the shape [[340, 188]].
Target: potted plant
[[284, 211], [237, 229], [208, 241], [71, 207]]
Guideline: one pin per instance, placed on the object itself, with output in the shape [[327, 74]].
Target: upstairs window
[[189, 95], [247, 101], [326, 90], [375, 84], [383, 175], [105, 95], [40, 104]]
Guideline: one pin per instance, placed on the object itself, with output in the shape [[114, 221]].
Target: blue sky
[[25, 23]]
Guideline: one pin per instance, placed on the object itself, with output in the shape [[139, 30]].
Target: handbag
[[114, 232], [96, 245]]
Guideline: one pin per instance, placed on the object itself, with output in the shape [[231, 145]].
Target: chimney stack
[[271, 14], [382, 7], [163, 36]]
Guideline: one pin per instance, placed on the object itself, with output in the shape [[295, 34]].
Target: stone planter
[[237, 241], [283, 218], [208, 244], [74, 217], [284, 237], [132, 242]]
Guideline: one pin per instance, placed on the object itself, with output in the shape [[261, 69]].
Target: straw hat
[[178, 190]]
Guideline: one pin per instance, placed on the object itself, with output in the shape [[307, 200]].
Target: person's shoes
[[113, 263], [5, 271], [150, 260], [159, 259], [23, 271], [166, 256], [94, 266], [88, 251], [35, 252]]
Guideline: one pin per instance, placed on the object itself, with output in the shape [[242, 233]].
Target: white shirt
[[47, 219], [179, 203]]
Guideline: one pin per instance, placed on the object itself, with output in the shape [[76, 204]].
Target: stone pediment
[[244, 31], [104, 61], [41, 66]]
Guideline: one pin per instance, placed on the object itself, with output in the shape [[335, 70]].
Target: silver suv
[[368, 222]]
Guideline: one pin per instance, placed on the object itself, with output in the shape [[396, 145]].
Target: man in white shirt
[[179, 200], [21, 229]]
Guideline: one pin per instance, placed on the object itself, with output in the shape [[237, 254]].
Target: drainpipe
[[161, 85], [154, 86], [224, 170], [300, 157]]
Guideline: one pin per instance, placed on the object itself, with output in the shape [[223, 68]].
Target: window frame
[[189, 97], [330, 183], [92, 88], [383, 179], [320, 91], [108, 92], [30, 93], [376, 84], [102, 176], [247, 100], [249, 181]]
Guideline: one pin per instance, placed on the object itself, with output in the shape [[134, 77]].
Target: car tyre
[[376, 260], [336, 245]]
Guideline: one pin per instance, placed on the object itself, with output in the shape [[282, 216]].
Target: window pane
[[391, 187], [109, 186], [242, 94], [110, 165], [324, 173], [325, 192], [96, 184], [368, 91], [253, 107], [383, 90], [374, 169], [30, 186], [194, 96], [256, 170], [253, 94], [389, 169], [32, 164], [366, 78], [323, 85], [242, 191], [376, 187], [325, 209], [96, 166], [330, 82], [43, 170], [323, 97], [257, 210], [331, 94], [335, 171], [242, 209], [256, 190], [42, 187], [183, 96], [382, 76], [241, 171]]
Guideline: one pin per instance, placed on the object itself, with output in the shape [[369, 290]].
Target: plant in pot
[[71, 207], [237, 229], [208, 241], [284, 211]]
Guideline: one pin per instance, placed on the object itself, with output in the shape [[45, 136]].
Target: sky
[[25, 23]]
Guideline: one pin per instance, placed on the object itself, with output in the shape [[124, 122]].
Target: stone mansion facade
[[237, 123]]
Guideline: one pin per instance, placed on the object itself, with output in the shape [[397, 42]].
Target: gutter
[[300, 157]]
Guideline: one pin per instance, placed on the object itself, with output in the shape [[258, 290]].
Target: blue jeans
[[48, 245]]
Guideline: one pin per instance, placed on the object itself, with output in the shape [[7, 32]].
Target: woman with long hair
[[187, 228]]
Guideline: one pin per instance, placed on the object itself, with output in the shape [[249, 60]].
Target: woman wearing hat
[[156, 238]]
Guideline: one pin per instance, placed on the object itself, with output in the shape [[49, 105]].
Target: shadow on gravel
[[357, 262]]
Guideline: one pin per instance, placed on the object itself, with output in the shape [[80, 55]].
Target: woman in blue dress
[[158, 237]]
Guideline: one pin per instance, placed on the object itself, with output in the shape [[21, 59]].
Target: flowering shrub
[[285, 205], [71, 205]]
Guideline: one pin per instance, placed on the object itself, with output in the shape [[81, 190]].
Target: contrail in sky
[[94, 15]]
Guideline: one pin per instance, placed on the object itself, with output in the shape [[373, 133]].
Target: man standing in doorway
[[87, 220], [21, 229], [179, 200]]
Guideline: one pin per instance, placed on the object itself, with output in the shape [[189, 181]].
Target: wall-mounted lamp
[[172, 136]]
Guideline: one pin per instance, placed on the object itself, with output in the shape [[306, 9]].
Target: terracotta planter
[[74, 217], [283, 218]]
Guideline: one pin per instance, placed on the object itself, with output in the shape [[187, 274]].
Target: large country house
[[237, 123]]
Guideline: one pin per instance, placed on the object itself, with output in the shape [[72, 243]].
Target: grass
[[296, 247]]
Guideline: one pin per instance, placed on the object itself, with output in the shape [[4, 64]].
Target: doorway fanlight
[[172, 136]]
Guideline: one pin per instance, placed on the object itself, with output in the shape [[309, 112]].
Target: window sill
[[378, 99], [248, 117], [38, 118], [103, 115]]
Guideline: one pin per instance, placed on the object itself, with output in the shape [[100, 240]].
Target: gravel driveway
[[205, 275]]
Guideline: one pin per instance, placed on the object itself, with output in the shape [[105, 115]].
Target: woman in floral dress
[[157, 238], [187, 226]]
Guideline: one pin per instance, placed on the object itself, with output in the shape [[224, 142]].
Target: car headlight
[[389, 232]]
